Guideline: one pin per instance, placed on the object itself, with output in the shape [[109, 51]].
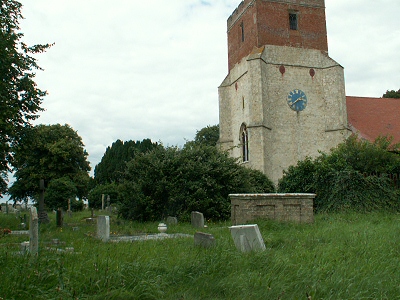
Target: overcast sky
[[130, 69]]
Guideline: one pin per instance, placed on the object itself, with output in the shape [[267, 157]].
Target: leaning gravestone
[[204, 240], [247, 238], [33, 231], [197, 219], [103, 228]]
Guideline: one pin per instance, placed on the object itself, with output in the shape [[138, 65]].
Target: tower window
[[242, 31], [293, 21], [244, 139]]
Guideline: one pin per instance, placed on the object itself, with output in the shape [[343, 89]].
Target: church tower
[[284, 97]]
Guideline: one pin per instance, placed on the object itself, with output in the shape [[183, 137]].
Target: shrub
[[172, 181], [352, 177]]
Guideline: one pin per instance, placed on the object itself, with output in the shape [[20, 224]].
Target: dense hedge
[[172, 181], [354, 176]]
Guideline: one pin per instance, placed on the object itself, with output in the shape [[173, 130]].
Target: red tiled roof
[[373, 117]]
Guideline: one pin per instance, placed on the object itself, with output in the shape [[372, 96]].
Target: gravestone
[[204, 240], [69, 211], [247, 238], [103, 228], [43, 217], [108, 203], [59, 217], [24, 247], [197, 219], [172, 220], [33, 231]]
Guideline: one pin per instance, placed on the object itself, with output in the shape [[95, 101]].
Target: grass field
[[340, 256]]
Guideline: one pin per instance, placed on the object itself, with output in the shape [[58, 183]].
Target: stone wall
[[280, 207]]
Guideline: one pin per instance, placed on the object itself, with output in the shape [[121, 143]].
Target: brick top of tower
[[293, 23]]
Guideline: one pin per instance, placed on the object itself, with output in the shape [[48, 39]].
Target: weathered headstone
[[33, 231], [247, 238], [102, 201], [204, 240], [59, 217], [69, 211], [197, 219], [43, 217], [172, 220], [103, 228], [108, 203]]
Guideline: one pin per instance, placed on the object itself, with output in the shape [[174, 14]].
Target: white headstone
[[247, 238], [197, 219], [33, 231], [103, 228]]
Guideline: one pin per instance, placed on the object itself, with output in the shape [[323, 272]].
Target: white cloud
[[150, 69]]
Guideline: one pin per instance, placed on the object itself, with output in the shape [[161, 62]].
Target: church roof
[[374, 117]]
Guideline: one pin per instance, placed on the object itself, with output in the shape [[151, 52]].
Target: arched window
[[244, 140]]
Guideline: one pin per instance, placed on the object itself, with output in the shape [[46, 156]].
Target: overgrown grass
[[340, 256]]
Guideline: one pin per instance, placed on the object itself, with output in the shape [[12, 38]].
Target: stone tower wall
[[256, 93]]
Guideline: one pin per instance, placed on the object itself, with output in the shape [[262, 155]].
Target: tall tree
[[391, 94], [54, 153], [20, 99], [113, 163], [207, 136]]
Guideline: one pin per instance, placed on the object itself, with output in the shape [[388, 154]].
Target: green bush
[[172, 181], [352, 177]]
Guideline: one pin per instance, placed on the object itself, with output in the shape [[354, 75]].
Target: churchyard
[[338, 256]]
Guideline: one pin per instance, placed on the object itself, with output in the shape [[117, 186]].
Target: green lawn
[[340, 256]]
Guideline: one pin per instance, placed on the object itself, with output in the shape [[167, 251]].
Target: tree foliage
[[173, 181], [392, 94], [20, 99], [54, 153], [113, 162], [207, 136], [352, 176]]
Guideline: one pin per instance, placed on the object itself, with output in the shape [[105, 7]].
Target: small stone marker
[[103, 228], [204, 240], [197, 219], [247, 238], [172, 220], [33, 231], [90, 220], [24, 246]]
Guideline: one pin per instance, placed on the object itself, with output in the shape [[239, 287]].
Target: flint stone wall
[[280, 207]]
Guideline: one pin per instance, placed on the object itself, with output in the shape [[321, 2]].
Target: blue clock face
[[297, 100]]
